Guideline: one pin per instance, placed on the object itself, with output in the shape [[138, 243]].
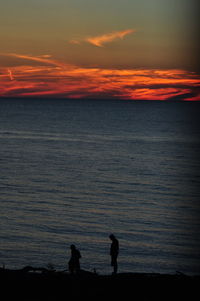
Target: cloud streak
[[45, 77], [10, 74], [101, 40], [43, 59]]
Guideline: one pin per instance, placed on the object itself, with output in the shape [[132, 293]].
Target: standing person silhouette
[[74, 264], [114, 251]]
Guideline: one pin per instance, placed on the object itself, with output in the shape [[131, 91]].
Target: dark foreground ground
[[41, 284]]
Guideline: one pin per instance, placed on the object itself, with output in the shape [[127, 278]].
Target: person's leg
[[114, 264], [115, 267], [78, 268]]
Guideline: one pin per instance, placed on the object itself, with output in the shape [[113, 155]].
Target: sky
[[127, 49]]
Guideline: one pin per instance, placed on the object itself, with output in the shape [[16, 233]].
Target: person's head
[[112, 236], [72, 247]]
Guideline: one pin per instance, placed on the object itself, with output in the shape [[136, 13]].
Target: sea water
[[75, 171]]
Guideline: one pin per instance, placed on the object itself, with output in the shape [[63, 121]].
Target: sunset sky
[[127, 49]]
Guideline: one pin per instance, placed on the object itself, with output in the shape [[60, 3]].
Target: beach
[[42, 284]]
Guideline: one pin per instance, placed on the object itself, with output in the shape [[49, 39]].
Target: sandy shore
[[42, 284]]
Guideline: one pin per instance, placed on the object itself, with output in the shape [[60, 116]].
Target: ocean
[[75, 171]]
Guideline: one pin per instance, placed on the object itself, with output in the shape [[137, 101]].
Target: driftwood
[[37, 269]]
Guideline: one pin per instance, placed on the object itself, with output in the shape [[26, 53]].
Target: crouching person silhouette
[[114, 251], [74, 263]]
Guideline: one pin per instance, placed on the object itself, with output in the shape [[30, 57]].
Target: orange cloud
[[76, 42], [100, 40], [10, 74], [52, 78]]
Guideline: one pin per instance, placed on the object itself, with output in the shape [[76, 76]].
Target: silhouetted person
[[74, 264], [114, 251]]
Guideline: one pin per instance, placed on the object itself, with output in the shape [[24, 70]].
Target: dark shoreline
[[42, 284]]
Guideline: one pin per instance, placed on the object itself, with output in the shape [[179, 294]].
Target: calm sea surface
[[75, 171]]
